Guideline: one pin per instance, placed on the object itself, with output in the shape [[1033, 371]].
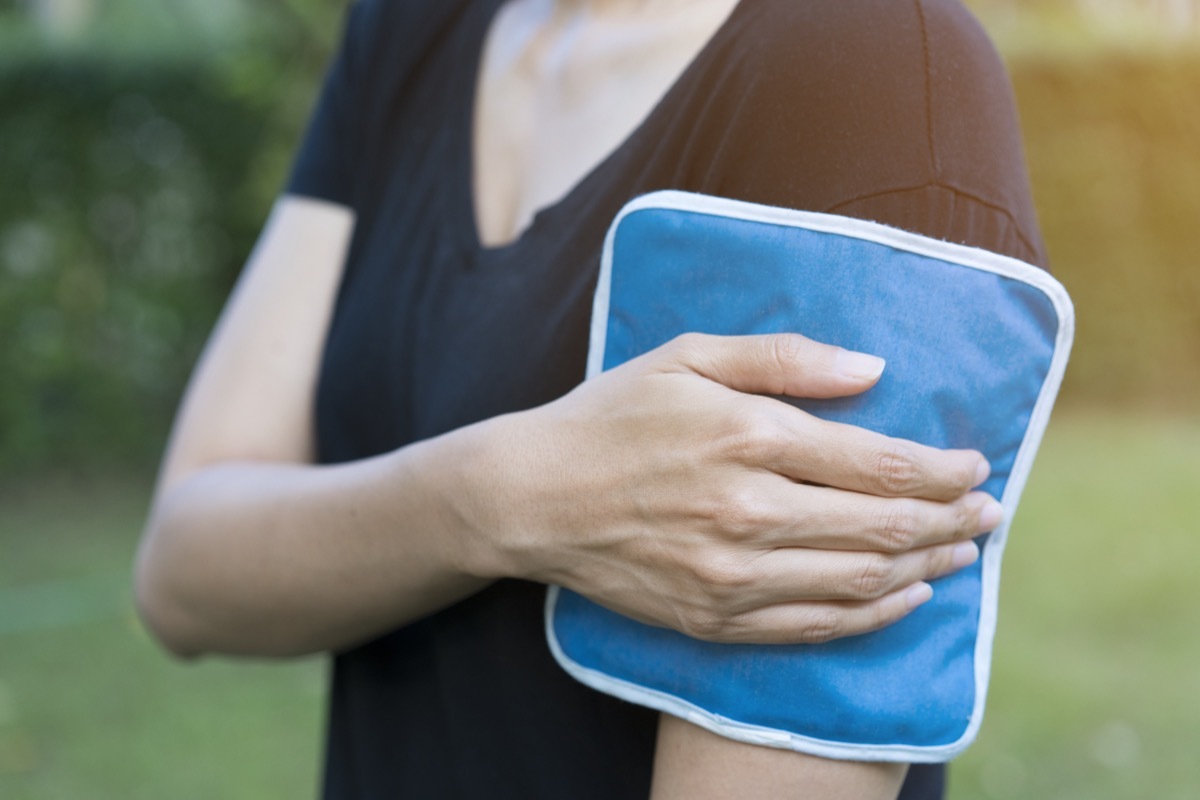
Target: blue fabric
[[967, 354]]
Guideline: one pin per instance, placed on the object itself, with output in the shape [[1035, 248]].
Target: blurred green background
[[142, 144]]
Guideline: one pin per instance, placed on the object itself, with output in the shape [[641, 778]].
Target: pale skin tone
[[667, 489]]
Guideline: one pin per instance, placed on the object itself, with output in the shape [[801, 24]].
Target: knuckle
[[723, 577], [704, 625], [896, 470], [685, 347], [874, 576], [964, 481], [787, 350], [939, 562], [738, 513], [755, 441], [900, 527], [820, 625], [965, 520]]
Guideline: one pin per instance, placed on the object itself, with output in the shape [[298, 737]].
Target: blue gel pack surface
[[976, 345]]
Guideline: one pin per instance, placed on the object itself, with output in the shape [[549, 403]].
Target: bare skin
[[562, 83], [252, 549], [690, 762]]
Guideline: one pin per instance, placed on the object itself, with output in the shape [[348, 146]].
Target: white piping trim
[[989, 589]]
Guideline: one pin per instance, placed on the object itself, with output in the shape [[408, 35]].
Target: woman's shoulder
[[880, 42], [393, 26], [910, 62], [859, 84], [387, 42], [825, 103]]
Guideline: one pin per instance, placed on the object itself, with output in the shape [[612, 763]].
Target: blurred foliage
[[139, 161], [1114, 150], [135, 181], [130, 196]]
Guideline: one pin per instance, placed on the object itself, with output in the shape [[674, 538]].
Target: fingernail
[[990, 516], [982, 472], [918, 595], [965, 554], [859, 365]]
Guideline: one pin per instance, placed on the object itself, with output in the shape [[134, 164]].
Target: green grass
[[1095, 690], [90, 708]]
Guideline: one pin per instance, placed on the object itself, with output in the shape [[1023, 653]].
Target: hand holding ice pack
[[976, 345]]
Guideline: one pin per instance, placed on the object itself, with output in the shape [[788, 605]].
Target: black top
[[890, 110]]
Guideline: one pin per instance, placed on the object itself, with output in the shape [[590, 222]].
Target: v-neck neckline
[[463, 209]]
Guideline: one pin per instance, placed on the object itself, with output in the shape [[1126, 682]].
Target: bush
[[132, 193]]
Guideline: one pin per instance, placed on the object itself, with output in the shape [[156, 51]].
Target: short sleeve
[[325, 166], [899, 113]]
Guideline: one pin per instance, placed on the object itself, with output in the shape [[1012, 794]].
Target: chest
[[557, 93], [433, 331]]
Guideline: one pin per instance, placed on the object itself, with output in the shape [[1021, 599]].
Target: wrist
[[486, 483]]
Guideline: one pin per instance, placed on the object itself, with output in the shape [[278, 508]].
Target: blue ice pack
[[976, 345]]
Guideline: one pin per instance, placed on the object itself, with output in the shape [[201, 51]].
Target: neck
[[615, 7]]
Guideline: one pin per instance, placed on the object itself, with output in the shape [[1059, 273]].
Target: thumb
[[779, 364]]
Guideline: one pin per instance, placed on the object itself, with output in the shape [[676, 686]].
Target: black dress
[[893, 110]]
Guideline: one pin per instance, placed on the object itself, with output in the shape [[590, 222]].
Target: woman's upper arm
[[251, 395], [908, 121], [691, 763]]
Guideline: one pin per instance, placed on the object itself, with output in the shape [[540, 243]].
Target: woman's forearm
[[652, 489], [249, 548], [282, 559]]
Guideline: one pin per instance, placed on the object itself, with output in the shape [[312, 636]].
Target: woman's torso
[[434, 330]]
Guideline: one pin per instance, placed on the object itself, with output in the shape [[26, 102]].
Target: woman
[[385, 450]]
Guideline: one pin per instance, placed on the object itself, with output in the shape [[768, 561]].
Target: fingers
[[793, 575], [833, 519], [857, 557], [848, 457], [803, 447], [782, 364], [816, 530], [815, 623]]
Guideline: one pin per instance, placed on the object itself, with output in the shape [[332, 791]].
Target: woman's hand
[[666, 489], [669, 490]]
